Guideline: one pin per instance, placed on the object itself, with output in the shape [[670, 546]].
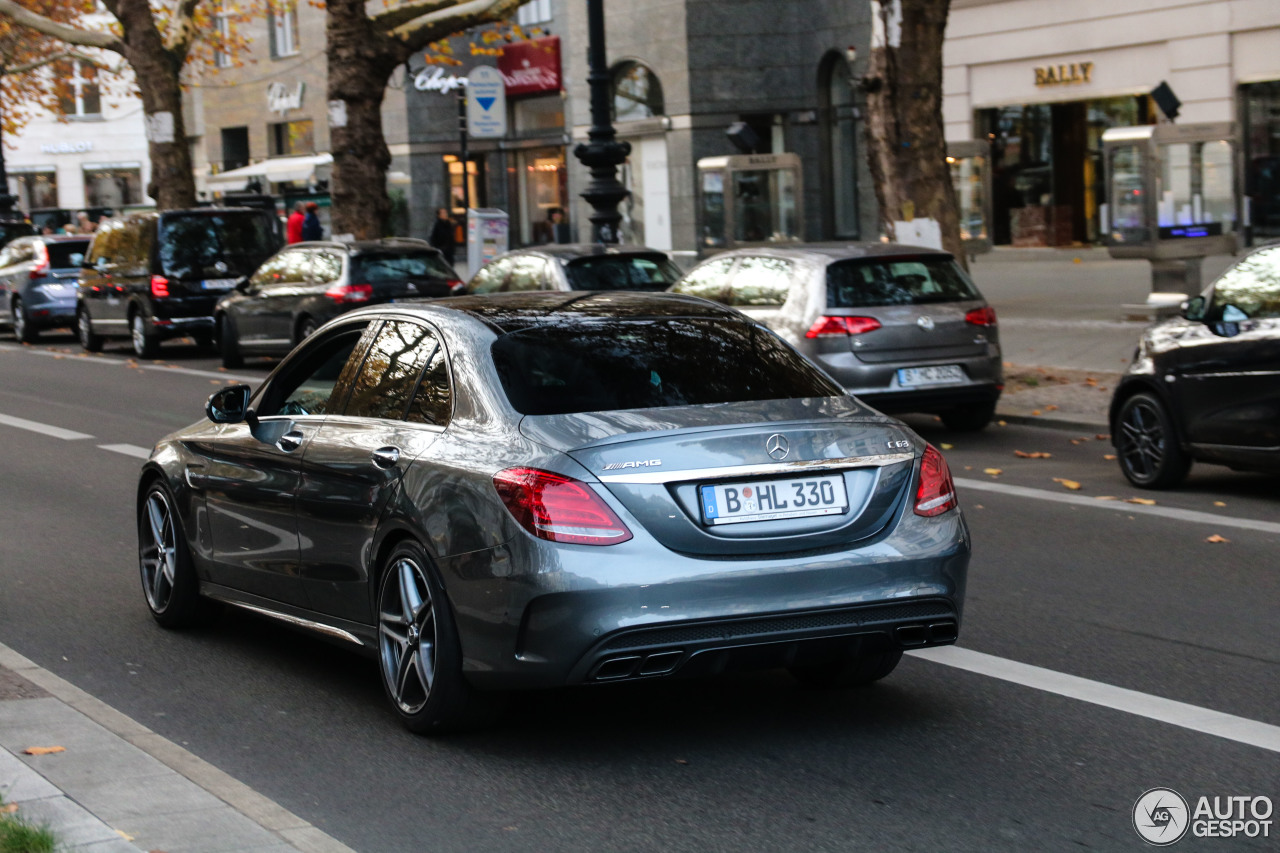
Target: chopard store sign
[[1071, 74]]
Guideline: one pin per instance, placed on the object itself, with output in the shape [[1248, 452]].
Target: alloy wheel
[[1150, 456], [158, 552], [19, 320], [407, 635]]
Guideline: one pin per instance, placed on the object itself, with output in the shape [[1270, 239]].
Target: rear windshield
[[399, 266], [191, 246], [66, 254], [596, 367], [901, 281], [622, 272]]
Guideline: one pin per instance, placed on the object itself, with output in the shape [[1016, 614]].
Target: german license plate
[[219, 283], [942, 374], [769, 500]]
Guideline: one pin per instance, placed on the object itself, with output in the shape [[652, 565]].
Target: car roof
[[570, 251], [509, 312], [829, 252], [356, 247]]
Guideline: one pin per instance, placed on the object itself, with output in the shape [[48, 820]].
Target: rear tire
[[22, 328], [89, 340], [865, 668], [229, 344], [419, 654], [1147, 445], [145, 344], [169, 582], [969, 418]]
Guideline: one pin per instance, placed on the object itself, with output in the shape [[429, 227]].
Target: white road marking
[[43, 429], [1204, 720], [1120, 506], [128, 450]]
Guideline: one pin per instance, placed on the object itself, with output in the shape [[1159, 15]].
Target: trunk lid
[[851, 467]]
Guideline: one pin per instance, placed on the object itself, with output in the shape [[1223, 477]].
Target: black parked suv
[[308, 284], [151, 276]]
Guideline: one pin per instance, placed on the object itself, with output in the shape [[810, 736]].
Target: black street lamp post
[[602, 154]]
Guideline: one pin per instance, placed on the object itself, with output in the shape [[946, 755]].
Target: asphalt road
[[934, 757]]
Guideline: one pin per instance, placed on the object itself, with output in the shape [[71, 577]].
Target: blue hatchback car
[[38, 276]]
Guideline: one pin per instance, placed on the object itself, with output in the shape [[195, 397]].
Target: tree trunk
[[906, 144], [172, 183], [360, 63]]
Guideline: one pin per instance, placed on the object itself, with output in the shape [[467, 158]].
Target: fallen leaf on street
[[1106, 498], [994, 472], [682, 761], [1078, 440], [1002, 423], [1102, 436], [1110, 457], [1038, 454], [126, 836], [8, 808], [44, 750], [1216, 539], [1090, 381], [1051, 408], [946, 446], [1219, 503], [215, 381], [977, 506], [1035, 411], [1067, 484], [1142, 501]]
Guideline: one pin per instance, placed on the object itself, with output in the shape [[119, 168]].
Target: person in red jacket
[[293, 228]]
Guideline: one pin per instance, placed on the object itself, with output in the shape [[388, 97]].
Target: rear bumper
[[176, 327], [877, 384], [937, 399]]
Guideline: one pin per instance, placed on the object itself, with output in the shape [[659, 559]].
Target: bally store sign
[[1071, 74]]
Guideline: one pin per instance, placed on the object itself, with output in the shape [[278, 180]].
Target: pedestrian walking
[[293, 227], [442, 235], [311, 228]]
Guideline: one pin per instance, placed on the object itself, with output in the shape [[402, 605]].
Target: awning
[[275, 170]]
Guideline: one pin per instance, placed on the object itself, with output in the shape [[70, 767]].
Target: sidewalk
[[117, 787]]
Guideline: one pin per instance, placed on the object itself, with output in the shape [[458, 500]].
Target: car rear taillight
[[347, 294], [159, 286], [936, 493], [558, 508], [981, 316], [827, 326], [41, 269], [456, 285]]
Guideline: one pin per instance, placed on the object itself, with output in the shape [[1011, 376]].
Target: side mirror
[[229, 406], [1193, 309], [243, 286]]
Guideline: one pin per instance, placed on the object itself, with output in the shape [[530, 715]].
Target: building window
[[235, 148], [34, 189], [475, 182], [291, 137], [222, 23], [1260, 108], [112, 185], [81, 98], [534, 12], [284, 31], [637, 93], [840, 147], [543, 184]]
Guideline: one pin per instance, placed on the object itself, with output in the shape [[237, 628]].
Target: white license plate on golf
[[219, 283], [942, 374], [769, 500]]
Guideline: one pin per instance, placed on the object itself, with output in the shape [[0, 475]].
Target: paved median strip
[[1204, 720], [1190, 515]]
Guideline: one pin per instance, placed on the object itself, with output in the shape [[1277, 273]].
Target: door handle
[[385, 457], [290, 441]]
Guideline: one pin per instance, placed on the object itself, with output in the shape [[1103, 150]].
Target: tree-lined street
[[1128, 598]]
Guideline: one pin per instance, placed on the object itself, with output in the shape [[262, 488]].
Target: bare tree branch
[[406, 12], [432, 26], [62, 32], [83, 58]]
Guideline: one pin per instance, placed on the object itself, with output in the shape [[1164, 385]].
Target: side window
[[490, 277], [267, 274], [316, 383], [760, 282], [133, 246], [709, 280], [103, 249], [527, 273], [1251, 287], [433, 401], [296, 266], [385, 382], [326, 267]]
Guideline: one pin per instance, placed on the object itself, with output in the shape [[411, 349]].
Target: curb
[[282, 825], [1067, 424]]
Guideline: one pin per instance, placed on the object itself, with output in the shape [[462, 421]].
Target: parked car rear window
[[66, 254], [375, 268], [622, 272], [561, 369], [190, 245], [897, 281]]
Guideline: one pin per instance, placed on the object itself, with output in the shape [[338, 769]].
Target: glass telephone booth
[[749, 200], [1172, 197]]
